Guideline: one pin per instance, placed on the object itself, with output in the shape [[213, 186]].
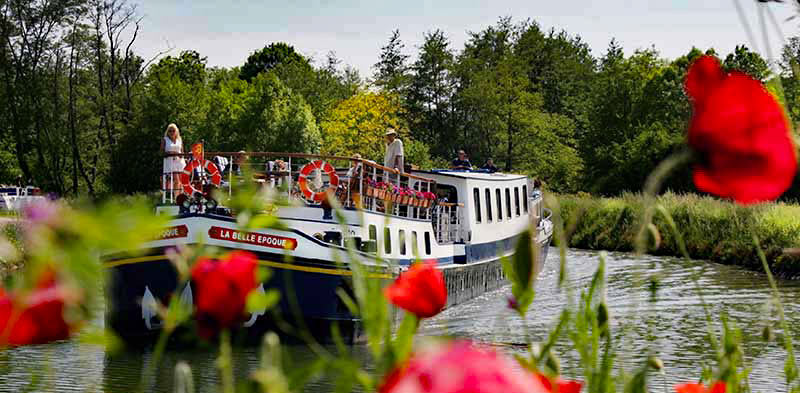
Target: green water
[[672, 328]]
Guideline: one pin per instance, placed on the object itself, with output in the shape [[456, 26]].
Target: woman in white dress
[[171, 147]]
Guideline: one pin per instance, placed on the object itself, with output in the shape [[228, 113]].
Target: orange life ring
[[317, 196], [186, 176]]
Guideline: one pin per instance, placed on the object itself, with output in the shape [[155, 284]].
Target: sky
[[227, 32]]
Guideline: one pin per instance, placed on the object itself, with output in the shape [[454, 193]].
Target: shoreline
[[713, 230]]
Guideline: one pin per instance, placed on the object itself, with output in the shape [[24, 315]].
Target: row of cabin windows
[[401, 240], [499, 200]]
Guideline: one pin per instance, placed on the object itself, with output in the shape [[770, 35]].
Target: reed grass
[[712, 229]]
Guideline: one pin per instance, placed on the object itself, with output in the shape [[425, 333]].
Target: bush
[[711, 229]]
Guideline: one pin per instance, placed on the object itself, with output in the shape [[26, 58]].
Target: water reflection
[[673, 328]]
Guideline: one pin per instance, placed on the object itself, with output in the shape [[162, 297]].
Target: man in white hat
[[394, 151]]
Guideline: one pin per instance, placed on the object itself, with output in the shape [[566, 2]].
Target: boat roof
[[476, 174]]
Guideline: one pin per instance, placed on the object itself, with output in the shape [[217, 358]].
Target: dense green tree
[[189, 66], [560, 67], [322, 88], [391, 72], [430, 93], [270, 57], [747, 61]]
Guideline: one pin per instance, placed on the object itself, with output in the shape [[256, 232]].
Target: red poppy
[[741, 134], [419, 290], [561, 385], [36, 317], [221, 289], [460, 367], [718, 387]]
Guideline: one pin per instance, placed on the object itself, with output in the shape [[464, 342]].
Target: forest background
[[81, 113]]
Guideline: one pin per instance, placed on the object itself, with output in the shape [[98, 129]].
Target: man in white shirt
[[394, 151]]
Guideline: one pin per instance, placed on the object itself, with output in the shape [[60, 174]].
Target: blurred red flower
[[741, 134], [221, 289], [562, 385], [36, 317], [460, 367], [419, 290], [718, 387]]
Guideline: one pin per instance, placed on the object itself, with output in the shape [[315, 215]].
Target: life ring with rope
[[186, 176], [317, 196]]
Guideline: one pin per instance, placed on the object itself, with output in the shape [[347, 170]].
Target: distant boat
[[13, 198], [465, 221]]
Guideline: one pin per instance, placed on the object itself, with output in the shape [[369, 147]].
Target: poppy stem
[[791, 362], [225, 361]]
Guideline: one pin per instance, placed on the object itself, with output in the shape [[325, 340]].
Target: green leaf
[[258, 301], [524, 260], [263, 274], [405, 337]]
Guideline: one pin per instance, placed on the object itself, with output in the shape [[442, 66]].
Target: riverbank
[[711, 229]]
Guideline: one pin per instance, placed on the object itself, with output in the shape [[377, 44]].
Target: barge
[[338, 209]]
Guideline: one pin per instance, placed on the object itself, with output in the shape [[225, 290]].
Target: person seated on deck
[[461, 162], [351, 180], [276, 171], [489, 166], [238, 161]]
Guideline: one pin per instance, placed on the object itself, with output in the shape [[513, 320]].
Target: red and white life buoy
[[186, 176], [317, 196]]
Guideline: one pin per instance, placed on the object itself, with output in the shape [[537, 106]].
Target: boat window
[[414, 245], [525, 198], [427, 243], [477, 195], [499, 204], [401, 238], [516, 199], [387, 241], [373, 233], [488, 205], [508, 203]]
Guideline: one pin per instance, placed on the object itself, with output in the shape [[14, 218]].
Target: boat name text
[[258, 239]]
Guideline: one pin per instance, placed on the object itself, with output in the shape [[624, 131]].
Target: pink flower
[[461, 367]]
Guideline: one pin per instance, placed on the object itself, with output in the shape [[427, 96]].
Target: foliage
[[358, 124], [391, 72], [269, 57], [711, 229]]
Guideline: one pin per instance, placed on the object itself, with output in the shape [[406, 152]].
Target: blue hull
[[309, 300]]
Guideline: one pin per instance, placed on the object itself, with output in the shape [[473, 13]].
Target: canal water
[[672, 328]]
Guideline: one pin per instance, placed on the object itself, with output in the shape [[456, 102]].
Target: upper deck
[[459, 206]]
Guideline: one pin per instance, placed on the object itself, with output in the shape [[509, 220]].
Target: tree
[[357, 125], [391, 72], [270, 57], [189, 66], [561, 68], [322, 88], [747, 61], [275, 119], [430, 92]]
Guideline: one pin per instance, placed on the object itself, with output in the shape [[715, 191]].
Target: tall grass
[[715, 230]]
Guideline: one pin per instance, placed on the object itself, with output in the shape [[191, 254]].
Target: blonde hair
[[172, 126]]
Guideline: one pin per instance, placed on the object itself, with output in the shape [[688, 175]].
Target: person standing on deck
[[394, 151], [171, 148]]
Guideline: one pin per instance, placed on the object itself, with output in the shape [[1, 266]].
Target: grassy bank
[[714, 230]]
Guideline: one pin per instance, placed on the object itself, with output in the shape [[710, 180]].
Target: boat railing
[[313, 179], [447, 223]]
